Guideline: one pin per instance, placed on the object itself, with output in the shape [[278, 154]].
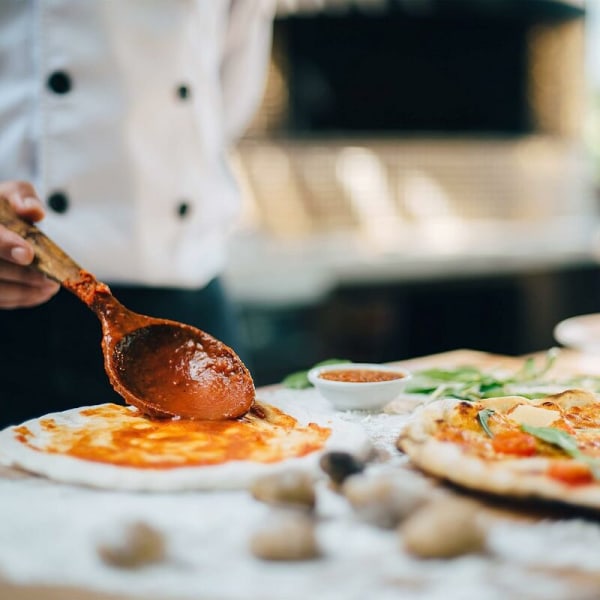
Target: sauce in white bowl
[[359, 386]]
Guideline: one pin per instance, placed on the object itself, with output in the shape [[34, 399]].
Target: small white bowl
[[352, 395], [581, 333]]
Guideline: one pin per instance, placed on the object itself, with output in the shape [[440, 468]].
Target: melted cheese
[[534, 416]]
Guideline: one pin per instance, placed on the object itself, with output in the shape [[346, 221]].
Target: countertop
[[49, 534]]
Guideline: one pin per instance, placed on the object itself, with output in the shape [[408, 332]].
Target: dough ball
[[289, 536], [443, 528], [386, 499], [136, 545], [292, 487]]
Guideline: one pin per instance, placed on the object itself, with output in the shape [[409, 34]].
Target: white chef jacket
[[121, 113]]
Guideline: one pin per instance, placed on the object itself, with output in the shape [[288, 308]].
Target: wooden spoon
[[164, 368]]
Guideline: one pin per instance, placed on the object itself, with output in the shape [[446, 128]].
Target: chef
[[118, 116]]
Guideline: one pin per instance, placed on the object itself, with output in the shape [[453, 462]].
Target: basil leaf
[[483, 416], [419, 388], [556, 437], [565, 442], [299, 379], [471, 383], [529, 372], [491, 390], [331, 361]]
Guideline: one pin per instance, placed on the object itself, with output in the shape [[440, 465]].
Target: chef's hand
[[21, 285]]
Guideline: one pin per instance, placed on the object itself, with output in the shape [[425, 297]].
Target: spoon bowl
[[164, 368]]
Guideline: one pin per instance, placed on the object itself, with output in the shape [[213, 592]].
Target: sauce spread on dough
[[360, 375], [120, 436]]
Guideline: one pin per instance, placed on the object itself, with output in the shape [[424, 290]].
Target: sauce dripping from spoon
[[164, 368]]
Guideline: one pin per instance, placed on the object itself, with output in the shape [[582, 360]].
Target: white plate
[[581, 333]]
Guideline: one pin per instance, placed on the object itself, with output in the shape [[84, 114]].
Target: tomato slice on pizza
[[547, 447]]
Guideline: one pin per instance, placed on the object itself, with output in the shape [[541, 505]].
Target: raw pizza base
[[345, 436], [510, 477]]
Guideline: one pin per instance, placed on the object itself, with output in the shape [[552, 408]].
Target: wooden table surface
[[584, 584]]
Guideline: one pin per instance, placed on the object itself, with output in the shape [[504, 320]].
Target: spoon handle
[[49, 258]]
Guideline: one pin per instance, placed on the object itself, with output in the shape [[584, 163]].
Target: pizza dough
[[32, 447], [446, 438]]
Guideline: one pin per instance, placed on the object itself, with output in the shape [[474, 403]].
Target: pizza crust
[[514, 477], [345, 436]]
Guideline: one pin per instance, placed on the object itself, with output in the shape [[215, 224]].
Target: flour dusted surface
[[49, 533]]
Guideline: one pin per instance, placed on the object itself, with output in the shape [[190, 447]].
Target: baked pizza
[[117, 447], [513, 446]]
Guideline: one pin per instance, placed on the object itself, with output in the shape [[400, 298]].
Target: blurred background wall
[[422, 175]]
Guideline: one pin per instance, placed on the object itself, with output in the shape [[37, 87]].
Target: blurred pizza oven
[[375, 187], [318, 162]]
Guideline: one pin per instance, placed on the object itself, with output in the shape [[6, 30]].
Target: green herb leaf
[[565, 442], [331, 361], [483, 416], [463, 374], [299, 379], [529, 371], [465, 383], [556, 437], [471, 383]]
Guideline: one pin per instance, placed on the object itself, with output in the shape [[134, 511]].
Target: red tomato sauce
[[119, 436], [360, 375]]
